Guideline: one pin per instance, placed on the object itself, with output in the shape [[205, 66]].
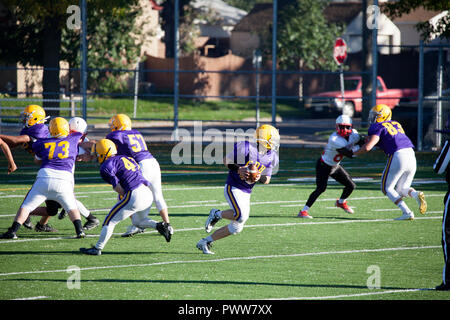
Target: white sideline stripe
[[227, 259], [248, 226], [32, 298], [351, 295]]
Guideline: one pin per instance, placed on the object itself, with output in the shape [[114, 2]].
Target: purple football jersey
[[123, 170], [58, 153], [38, 131], [245, 153], [130, 143], [392, 136]]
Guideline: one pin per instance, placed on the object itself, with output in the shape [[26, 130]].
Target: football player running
[[239, 186], [343, 142], [135, 198], [130, 142], [56, 156], [400, 169]]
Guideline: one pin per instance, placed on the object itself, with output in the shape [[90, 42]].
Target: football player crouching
[[239, 184], [135, 198], [343, 142]]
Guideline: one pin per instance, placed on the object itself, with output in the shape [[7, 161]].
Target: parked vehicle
[[331, 101]]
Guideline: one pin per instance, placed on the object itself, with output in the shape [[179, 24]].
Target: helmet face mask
[[103, 150], [344, 126], [59, 127], [33, 114], [268, 137], [120, 122], [380, 113]]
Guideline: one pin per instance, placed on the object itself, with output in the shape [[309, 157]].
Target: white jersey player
[[341, 143]]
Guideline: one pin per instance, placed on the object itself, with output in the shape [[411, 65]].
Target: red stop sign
[[340, 51]]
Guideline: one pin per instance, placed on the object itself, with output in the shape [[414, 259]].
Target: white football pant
[[152, 173], [239, 201]]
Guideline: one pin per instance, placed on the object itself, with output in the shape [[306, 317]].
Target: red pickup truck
[[331, 101]]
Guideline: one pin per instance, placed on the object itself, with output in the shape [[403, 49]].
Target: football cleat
[[304, 214], [422, 202], [91, 224], [204, 246], [213, 218], [27, 224], [62, 214], [344, 206], [132, 230], [406, 216], [91, 251], [59, 127], [8, 235], [81, 235], [443, 287], [165, 230], [44, 228]]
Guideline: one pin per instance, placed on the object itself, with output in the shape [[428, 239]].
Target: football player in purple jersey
[[56, 156], [238, 186], [34, 128], [135, 198], [401, 166], [130, 142]]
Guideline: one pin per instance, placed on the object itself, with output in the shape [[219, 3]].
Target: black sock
[[78, 226], [15, 227]]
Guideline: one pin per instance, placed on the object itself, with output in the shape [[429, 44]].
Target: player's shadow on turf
[[216, 282], [77, 252]]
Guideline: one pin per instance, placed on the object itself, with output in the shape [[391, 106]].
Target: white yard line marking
[[294, 255], [247, 226], [352, 295], [32, 298]]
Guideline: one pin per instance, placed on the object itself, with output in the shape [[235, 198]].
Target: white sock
[[402, 205], [146, 223], [413, 193], [219, 214], [305, 208], [341, 201], [209, 239]]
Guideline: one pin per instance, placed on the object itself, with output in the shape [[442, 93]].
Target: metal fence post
[[274, 62], [176, 82], [439, 101], [420, 105], [136, 89], [374, 57], [84, 57]]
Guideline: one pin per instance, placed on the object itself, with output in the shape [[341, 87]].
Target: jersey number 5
[[137, 142]]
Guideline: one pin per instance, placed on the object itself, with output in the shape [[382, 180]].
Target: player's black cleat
[[27, 224], [443, 287], [44, 228], [91, 251], [8, 235], [62, 214], [165, 229], [91, 224], [81, 235]]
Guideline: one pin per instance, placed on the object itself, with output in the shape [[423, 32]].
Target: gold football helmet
[[268, 136], [380, 113], [33, 114], [120, 122], [104, 149], [58, 127]]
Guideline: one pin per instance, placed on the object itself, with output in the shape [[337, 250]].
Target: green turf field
[[366, 255]]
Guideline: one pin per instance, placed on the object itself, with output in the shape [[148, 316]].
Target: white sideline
[[226, 259]]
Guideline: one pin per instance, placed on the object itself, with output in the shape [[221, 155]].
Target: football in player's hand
[[253, 173]]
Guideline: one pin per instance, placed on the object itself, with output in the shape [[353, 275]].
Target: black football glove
[[362, 140]]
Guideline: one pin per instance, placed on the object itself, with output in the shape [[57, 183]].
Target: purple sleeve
[[375, 129], [108, 173]]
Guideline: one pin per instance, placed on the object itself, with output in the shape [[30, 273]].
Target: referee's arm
[[443, 159]]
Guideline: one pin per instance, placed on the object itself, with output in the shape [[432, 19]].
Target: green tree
[[305, 39], [35, 36], [427, 30]]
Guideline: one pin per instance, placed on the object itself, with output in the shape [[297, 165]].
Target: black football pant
[[446, 239], [323, 171]]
